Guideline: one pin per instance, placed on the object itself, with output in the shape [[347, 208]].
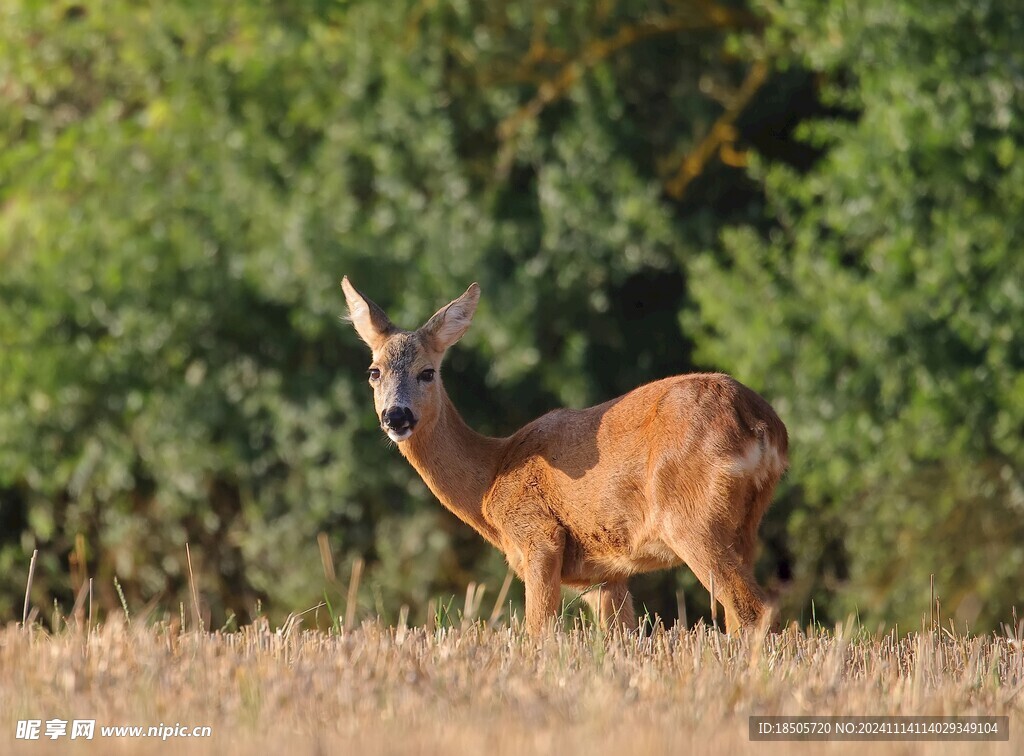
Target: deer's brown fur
[[680, 470]]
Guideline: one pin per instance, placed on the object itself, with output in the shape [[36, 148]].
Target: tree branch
[[712, 16], [720, 137]]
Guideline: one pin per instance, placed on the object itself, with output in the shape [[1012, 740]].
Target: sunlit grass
[[473, 688]]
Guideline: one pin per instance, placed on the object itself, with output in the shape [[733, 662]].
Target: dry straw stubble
[[474, 689]]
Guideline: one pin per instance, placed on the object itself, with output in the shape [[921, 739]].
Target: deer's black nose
[[397, 418]]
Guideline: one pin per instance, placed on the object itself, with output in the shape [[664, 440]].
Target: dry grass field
[[475, 690]]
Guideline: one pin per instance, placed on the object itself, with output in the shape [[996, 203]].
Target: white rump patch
[[760, 462], [750, 462], [773, 460]]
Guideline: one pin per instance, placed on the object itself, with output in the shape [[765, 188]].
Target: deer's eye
[[426, 375], [374, 374]]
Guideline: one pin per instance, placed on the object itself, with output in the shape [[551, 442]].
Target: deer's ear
[[369, 320], [452, 321]]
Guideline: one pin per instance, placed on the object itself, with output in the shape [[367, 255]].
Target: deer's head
[[405, 373]]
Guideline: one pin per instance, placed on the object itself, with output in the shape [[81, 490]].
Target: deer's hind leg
[[714, 537], [746, 538], [734, 584]]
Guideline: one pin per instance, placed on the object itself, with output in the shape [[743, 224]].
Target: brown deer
[[680, 470]]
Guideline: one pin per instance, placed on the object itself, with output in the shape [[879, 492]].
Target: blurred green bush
[[182, 186]]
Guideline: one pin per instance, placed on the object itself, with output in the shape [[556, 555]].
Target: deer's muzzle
[[398, 422]]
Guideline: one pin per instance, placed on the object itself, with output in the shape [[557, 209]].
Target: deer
[[677, 471]]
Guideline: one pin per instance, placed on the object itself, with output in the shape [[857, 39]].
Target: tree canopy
[[824, 200]]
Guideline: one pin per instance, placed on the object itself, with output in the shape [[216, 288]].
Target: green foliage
[[881, 311], [182, 186]]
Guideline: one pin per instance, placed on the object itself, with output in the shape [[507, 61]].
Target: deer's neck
[[458, 464]]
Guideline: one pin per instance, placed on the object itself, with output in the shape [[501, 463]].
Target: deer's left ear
[[451, 322], [370, 322]]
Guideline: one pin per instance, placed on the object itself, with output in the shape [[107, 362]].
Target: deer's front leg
[[612, 605], [542, 573]]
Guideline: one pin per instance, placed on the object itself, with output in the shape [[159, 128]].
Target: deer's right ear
[[370, 322]]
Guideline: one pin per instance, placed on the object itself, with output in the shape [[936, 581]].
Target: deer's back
[[602, 472]]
